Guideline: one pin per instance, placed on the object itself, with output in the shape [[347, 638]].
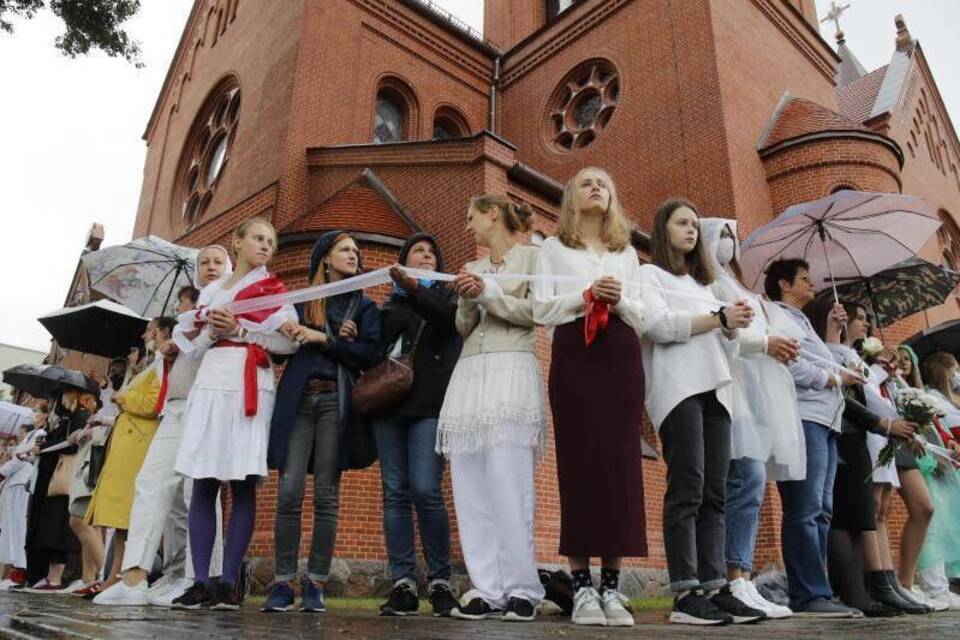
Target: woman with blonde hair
[[940, 556], [226, 421], [492, 422], [596, 390]]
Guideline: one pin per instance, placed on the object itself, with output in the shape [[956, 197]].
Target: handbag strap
[[416, 340]]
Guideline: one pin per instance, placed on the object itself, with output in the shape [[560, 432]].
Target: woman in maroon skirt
[[596, 391]]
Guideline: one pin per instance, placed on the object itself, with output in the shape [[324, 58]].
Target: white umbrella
[[12, 416], [144, 274], [849, 234]]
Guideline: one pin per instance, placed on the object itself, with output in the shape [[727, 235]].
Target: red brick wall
[[506, 22]]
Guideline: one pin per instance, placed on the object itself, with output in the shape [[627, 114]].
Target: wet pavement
[[24, 616]]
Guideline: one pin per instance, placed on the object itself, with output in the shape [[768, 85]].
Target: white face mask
[[956, 381], [725, 251]]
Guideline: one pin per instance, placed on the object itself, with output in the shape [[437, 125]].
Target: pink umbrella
[[849, 234]]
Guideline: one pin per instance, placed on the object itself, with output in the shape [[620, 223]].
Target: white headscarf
[[227, 264], [710, 230]]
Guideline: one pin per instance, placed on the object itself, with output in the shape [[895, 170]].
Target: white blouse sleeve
[[630, 307], [551, 308], [663, 324]]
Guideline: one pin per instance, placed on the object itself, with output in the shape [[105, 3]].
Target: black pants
[[696, 448]]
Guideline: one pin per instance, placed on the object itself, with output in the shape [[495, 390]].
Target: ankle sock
[[581, 579], [609, 579]]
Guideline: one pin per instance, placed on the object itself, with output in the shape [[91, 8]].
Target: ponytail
[[517, 217]]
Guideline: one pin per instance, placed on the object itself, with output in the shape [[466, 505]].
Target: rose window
[[583, 104]]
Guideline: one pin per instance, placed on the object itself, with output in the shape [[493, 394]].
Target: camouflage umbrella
[[942, 337], [907, 288]]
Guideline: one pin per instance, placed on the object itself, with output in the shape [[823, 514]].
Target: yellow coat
[[133, 431]]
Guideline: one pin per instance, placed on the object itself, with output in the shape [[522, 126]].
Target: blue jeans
[[412, 473], [746, 481], [807, 510]]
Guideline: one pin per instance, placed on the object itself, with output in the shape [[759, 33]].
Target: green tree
[[90, 24]]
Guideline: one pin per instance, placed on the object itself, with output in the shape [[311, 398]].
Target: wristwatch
[[720, 313]]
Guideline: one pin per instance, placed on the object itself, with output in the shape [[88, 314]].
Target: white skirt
[[13, 534], [883, 475], [219, 441], [493, 398]]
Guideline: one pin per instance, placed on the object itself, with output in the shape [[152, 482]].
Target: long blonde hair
[[935, 368], [315, 311], [615, 233]]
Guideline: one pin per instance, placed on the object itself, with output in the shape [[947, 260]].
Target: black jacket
[[857, 418], [439, 346]]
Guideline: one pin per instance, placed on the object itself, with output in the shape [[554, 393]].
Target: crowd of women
[[741, 389]]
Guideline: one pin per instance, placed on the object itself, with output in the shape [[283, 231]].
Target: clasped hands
[[306, 335]]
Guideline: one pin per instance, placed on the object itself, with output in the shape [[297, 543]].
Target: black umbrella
[[103, 328], [47, 380], [942, 337], [907, 288]]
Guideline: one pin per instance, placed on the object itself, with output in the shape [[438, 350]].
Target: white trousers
[[161, 504], [13, 535], [494, 497]]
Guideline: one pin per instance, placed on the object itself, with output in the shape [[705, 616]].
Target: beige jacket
[[507, 322]]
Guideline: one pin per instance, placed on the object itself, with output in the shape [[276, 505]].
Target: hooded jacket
[[340, 360], [439, 346]]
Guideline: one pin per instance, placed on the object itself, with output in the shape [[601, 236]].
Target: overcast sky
[[71, 152]]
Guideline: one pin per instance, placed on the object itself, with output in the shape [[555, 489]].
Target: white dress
[[885, 409], [219, 440], [14, 504]]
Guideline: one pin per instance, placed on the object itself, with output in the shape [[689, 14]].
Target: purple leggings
[[202, 524]]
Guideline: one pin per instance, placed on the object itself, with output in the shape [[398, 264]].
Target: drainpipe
[[494, 83]]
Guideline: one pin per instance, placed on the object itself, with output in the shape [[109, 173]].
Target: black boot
[[920, 608], [875, 609], [880, 590]]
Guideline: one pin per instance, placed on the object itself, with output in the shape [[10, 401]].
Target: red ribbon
[[257, 356], [944, 434], [162, 398], [596, 317]]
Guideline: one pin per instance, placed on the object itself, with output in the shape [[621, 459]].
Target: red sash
[[596, 317], [944, 434], [162, 398], [257, 356]]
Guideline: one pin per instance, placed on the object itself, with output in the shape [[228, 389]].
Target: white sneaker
[[587, 608], [940, 601], [120, 595], [773, 610], [954, 601], [172, 591], [76, 585], [614, 608], [921, 596], [160, 586], [8, 584]]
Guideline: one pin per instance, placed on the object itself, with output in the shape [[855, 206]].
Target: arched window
[[949, 237], [395, 112], [390, 120], [206, 153], [448, 123]]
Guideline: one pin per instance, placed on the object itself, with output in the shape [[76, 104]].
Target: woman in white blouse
[[689, 400], [596, 390]]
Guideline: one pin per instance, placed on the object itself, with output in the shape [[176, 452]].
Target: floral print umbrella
[[143, 275]]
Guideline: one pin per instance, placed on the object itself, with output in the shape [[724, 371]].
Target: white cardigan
[[676, 364]]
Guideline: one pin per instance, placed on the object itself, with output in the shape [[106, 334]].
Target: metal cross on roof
[[835, 13]]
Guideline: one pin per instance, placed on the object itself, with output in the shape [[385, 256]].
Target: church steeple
[[849, 69], [905, 41]]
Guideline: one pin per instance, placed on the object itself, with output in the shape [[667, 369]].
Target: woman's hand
[[468, 285], [223, 322], [838, 316], [348, 330], [607, 289], [403, 281], [954, 447], [782, 349], [133, 358], [739, 315], [902, 429], [306, 335]]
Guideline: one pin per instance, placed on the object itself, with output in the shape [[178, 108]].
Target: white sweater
[[677, 365]]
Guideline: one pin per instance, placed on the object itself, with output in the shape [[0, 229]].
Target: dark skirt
[[596, 396], [853, 502], [904, 458], [48, 523]]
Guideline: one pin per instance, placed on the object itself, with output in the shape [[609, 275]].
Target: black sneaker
[[224, 597], [696, 608], [402, 602], [196, 597], [519, 610], [742, 612], [476, 609], [442, 600]]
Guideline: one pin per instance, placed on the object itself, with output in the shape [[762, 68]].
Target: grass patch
[[651, 604]]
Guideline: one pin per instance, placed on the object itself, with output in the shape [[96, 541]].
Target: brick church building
[[382, 117]]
